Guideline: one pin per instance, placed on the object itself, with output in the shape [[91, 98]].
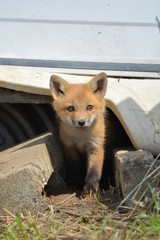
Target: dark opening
[[116, 137], [20, 122]]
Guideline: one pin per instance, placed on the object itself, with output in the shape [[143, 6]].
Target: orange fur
[[81, 110]]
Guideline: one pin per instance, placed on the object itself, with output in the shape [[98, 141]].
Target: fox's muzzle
[[81, 123]]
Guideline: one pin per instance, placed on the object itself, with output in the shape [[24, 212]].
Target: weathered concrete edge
[[126, 162], [21, 185]]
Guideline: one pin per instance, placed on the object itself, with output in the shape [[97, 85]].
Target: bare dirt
[[91, 217]]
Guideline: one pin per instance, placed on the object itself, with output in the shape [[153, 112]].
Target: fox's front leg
[[94, 170]]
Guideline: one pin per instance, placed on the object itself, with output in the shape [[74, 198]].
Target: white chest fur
[[81, 138]]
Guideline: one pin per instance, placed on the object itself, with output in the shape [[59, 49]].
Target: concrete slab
[[24, 171]]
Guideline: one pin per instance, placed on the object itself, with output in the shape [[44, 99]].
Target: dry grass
[[74, 218], [69, 217], [101, 217]]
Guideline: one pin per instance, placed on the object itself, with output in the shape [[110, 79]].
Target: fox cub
[[81, 111]]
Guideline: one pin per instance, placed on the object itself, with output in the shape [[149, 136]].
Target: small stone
[[131, 167]]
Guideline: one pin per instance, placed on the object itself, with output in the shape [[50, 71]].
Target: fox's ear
[[99, 84], [58, 86]]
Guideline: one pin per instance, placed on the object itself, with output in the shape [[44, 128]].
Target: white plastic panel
[[93, 34], [135, 102]]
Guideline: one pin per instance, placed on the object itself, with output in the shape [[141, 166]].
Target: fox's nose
[[81, 123]]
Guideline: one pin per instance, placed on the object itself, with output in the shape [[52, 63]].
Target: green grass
[[73, 222], [145, 226], [20, 230]]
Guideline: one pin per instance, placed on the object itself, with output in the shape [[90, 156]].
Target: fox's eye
[[89, 107], [70, 109]]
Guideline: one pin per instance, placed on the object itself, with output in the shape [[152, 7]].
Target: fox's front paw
[[91, 186]]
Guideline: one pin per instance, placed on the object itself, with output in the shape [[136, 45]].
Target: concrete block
[[24, 171], [131, 168]]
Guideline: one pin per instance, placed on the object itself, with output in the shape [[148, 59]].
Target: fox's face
[[79, 105]]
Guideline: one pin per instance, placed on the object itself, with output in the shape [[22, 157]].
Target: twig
[[72, 213], [6, 210], [143, 180], [66, 199], [136, 205], [134, 196], [156, 175], [126, 207], [138, 202]]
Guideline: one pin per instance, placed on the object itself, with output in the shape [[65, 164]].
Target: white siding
[[93, 34]]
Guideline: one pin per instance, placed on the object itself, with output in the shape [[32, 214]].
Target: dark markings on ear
[[99, 84], [58, 86]]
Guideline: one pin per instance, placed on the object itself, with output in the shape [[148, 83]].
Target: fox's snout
[[82, 123]]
